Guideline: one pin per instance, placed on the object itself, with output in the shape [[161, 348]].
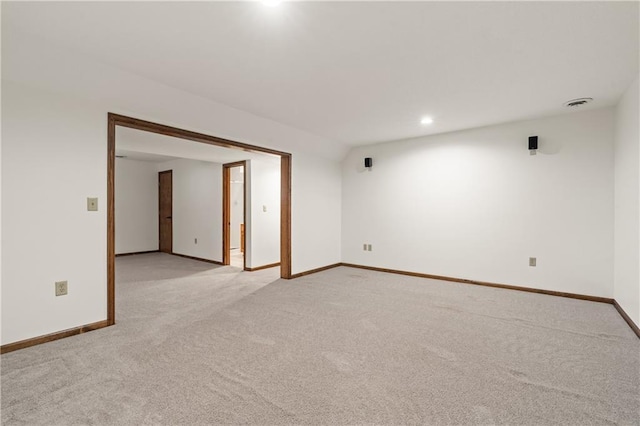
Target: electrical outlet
[[368, 247], [92, 204], [195, 241], [364, 247], [532, 261], [61, 288]]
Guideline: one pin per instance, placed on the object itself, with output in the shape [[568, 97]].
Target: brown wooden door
[[165, 210]]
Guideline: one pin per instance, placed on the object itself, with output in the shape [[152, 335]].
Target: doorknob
[[169, 217]]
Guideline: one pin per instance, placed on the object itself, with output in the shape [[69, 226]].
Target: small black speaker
[[533, 142], [368, 162]]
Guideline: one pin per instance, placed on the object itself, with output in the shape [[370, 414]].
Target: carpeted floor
[[202, 345]]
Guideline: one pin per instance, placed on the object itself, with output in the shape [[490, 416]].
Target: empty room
[[292, 212]]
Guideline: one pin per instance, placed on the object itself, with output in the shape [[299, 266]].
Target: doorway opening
[[166, 203], [234, 202]]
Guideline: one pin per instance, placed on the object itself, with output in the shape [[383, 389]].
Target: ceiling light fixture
[[426, 120]]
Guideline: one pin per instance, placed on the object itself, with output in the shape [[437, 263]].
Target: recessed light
[[426, 120], [271, 3]]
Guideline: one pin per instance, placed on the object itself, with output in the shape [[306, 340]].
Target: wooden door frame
[[114, 120], [226, 211], [159, 208]]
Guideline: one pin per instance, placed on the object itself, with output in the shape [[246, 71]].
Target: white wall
[[476, 205], [627, 204], [136, 203], [197, 208], [54, 136], [316, 192], [53, 158], [263, 213]]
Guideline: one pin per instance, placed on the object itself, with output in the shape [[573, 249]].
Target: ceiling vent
[[577, 102]]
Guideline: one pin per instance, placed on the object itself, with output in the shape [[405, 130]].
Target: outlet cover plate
[[92, 204], [61, 288]]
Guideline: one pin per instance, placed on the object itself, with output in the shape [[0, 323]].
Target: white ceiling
[[147, 146], [360, 72]]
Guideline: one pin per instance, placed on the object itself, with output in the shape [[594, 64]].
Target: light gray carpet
[[344, 346]]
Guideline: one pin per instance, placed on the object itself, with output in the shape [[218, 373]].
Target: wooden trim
[[258, 268], [241, 163], [215, 262], [111, 219], [114, 120], [484, 283], [627, 318], [226, 215], [137, 252], [243, 236], [226, 210], [10, 347], [285, 217], [313, 271], [135, 123]]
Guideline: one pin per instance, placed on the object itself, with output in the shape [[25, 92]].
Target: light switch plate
[[533, 261], [92, 204]]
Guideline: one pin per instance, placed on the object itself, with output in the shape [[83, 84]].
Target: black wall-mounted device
[[368, 162], [533, 143]]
